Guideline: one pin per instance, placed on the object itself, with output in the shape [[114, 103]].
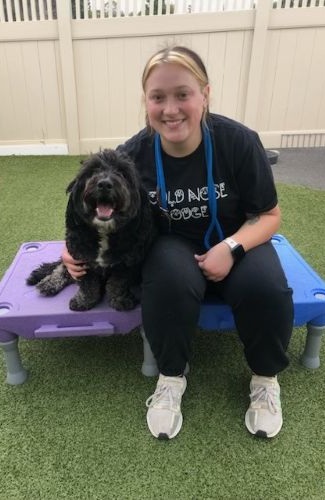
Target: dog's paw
[[49, 287], [41, 272], [54, 282], [78, 303], [33, 278], [124, 303]]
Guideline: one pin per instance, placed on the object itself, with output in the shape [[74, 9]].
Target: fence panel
[[27, 10], [91, 9], [40, 10], [74, 84], [293, 85], [30, 95]]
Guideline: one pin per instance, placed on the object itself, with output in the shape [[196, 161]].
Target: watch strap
[[236, 249]]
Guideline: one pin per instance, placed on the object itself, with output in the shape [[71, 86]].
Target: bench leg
[[16, 373], [310, 356]]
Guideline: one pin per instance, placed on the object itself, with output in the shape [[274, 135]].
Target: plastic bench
[[24, 313]]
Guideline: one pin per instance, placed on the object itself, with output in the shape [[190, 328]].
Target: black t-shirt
[[242, 174]]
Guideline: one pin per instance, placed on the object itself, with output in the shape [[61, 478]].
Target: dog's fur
[[109, 226]]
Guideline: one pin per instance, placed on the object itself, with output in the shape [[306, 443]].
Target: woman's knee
[[171, 266], [259, 279]]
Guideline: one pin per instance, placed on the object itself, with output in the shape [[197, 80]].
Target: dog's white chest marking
[[103, 247]]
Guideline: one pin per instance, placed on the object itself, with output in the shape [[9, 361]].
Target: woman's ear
[[206, 94]]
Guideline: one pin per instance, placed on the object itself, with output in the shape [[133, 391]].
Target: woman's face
[[175, 103]]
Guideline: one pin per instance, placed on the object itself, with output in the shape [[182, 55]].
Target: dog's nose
[[104, 184]]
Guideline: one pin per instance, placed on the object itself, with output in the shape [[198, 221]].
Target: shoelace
[[163, 398], [265, 395]]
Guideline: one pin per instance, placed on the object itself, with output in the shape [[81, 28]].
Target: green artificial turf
[[77, 428]]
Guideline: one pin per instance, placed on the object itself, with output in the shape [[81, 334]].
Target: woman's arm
[[217, 262], [258, 228]]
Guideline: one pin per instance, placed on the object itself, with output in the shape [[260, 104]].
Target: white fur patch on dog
[[103, 230]]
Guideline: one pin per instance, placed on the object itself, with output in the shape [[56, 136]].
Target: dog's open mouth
[[104, 212]]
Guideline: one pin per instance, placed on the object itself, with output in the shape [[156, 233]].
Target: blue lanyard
[[161, 185]]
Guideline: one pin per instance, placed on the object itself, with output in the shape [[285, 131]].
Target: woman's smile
[[173, 124]]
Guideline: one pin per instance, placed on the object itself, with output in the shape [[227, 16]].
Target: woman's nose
[[171, 106]]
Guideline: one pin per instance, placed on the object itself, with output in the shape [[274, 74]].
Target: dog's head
[[106, 190]]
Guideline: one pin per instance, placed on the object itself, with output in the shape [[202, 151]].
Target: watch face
[[238, 252]]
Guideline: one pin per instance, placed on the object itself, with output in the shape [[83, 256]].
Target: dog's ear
[[83, 164]]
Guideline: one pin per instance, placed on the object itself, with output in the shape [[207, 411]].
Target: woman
[[213, 195]]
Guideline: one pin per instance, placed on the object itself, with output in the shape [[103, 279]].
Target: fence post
[[68, 76], [254, 86]]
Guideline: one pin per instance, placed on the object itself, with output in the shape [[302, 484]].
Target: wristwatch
[[236, 249]]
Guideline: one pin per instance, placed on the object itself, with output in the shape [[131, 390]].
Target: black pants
[[256, 289]]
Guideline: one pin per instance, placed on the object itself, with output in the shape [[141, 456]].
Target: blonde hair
[[184, 57]]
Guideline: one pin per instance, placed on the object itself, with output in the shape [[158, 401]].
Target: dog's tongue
[[104, 211]]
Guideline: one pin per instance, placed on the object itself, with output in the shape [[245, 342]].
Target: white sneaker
[[264, 415], [164, 415]]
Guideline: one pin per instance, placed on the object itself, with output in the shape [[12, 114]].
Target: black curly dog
[[109, 226]]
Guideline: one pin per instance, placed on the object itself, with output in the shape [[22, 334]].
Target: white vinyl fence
[[70, 71], [40, 10]]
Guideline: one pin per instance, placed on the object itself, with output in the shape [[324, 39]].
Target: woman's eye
[[157, 98], [182, 96]]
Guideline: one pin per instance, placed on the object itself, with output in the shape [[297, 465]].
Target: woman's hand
[[76, 268], [216, 263]]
